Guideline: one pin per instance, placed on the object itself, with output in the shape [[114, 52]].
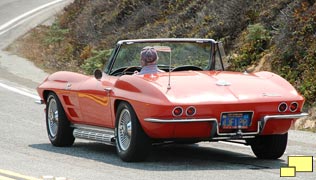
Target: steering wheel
[[130, 70], [117, 72], [187, 67]]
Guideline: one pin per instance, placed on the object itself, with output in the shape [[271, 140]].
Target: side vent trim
[[103, 135]]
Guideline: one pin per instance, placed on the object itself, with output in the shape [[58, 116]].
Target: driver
[[149, 58]]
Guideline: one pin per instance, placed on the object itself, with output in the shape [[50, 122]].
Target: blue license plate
[[236, 120]]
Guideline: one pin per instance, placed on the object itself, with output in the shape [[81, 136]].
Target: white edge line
[[9, 23], [19, 91]]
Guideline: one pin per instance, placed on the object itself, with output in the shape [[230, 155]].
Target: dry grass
[[30, 46], [307, 123]]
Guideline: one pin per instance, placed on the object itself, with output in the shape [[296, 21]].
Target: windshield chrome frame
[[110, 63]]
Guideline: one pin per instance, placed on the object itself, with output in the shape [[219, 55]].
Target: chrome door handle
[[108, 89]]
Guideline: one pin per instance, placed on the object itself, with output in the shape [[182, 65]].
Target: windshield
[[184, 53], [176, 54]]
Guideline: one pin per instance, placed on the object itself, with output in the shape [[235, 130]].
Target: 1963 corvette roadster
[[193, 100]]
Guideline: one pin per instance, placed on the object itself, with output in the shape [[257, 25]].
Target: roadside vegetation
[[273, 35]]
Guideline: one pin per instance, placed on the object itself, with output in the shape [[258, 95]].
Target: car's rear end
[[214, 105]]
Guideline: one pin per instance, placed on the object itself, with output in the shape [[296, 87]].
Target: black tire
[[132, 143], [269, 146], [58, 126]]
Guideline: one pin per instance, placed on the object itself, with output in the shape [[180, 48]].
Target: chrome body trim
[[285, 116], [295, 108], [281, 116], [282, 104], [239, 134], [130, 41], [155, 120], [100, 134], [106, 135], [39, 101], [186, 111], [93, 128], [176, 108]]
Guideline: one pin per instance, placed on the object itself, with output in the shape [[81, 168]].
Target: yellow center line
[[14, 174]]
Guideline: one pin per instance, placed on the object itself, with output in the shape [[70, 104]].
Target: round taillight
[[282, 107], [293, 106], [177, 111], [190, 111]]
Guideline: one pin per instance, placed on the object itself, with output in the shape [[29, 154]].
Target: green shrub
[[56, 34], [97, 61], [296, 60], [256, 40], [257, 32]]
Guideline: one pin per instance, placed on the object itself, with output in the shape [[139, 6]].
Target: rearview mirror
[[98, 74]]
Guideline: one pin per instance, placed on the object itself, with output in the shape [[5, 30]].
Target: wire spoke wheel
[[57, 124], [124, 129], [53, 118], [132, 143]]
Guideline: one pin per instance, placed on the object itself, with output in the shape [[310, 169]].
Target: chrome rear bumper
[[216, 135], [285, 116], [281, 116]]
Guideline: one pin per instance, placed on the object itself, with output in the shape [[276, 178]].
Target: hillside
[[274, 35]]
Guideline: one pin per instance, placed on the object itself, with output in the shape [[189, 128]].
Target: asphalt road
[[25, 151]]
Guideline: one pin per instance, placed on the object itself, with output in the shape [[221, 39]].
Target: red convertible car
[[193, 100]]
